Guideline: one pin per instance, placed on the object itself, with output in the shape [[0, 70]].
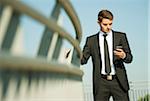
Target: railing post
[[75, 58], [1, 9], [11, 32], [48, 34]]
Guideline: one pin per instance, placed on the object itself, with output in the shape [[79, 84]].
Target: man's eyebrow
[[107, 24]]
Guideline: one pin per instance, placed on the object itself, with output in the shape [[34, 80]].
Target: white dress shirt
[[109, 39]]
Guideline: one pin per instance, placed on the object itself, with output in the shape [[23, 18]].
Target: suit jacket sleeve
[[86, 52], [126, 47]]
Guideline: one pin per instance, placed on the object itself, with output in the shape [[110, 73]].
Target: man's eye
[[105, 24]]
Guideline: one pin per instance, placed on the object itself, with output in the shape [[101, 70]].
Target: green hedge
[[145, 98]]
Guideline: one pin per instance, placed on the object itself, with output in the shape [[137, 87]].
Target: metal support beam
[[48, 34], [75, 58], [1, 10], [57, 48], [11, 31]]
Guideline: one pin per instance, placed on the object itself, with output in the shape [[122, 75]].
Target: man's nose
[[108, 26]]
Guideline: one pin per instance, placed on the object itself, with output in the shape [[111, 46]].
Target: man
[[108, 49]]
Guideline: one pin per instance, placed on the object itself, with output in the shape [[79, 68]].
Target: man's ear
[[98, 22]]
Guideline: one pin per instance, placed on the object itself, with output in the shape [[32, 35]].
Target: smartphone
[[118, 47]]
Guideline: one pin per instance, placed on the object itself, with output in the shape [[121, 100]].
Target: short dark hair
[[105, 14]]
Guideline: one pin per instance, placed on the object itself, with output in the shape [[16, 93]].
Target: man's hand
[[120, 53]]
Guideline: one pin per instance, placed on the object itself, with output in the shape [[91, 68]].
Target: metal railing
[[24, 9], [139, 90], [39, 70]]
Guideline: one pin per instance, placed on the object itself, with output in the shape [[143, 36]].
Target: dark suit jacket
[[92, 48]]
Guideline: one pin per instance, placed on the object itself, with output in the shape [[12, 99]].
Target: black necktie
[[106, 55]]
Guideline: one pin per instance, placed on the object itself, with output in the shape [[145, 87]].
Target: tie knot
[[104, 34]]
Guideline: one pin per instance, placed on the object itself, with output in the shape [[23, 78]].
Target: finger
[[119, 50], [115, 51]]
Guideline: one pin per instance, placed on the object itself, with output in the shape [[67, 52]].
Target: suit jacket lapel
[[98, 46], [115, 40]]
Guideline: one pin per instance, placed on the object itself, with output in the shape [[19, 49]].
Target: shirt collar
[[108, 34]]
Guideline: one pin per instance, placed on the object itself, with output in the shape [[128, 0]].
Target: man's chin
[[107, 31]]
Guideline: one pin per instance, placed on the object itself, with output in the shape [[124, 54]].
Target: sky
[[130, 16], [148, 38]]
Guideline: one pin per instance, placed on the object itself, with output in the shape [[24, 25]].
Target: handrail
[[73, 16], [22, 8], [11, 62]]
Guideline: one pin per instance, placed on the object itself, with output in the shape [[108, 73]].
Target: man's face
[[106, 25]]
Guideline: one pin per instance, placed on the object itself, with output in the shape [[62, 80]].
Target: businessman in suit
[[109, 51]]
